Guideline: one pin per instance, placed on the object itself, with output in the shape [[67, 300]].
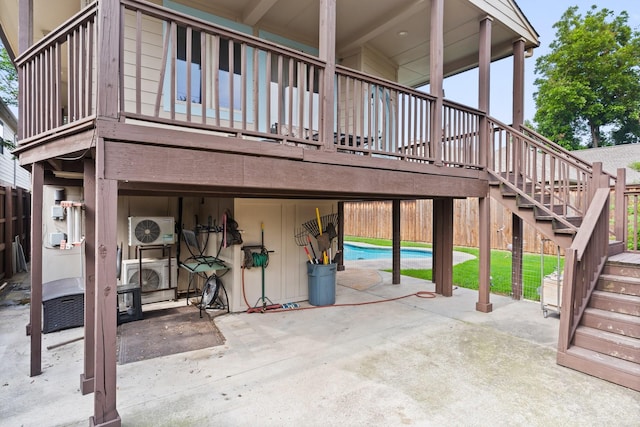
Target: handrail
[[162, 13], [560, 149], [58, 34], [560, 186], [584, 261]]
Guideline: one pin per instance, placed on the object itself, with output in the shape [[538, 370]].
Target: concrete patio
[[412, 361]]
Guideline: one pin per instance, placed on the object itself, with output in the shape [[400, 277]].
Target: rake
[[302, 239], [329, 223]]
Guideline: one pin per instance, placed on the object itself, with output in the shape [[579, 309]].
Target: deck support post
[[35, 321], [327, 53], [443, 245], [106, 209], [436, 73], [395, 213], [517, 120], [484, 237], [340, 266], [516, 256], [87, 377]]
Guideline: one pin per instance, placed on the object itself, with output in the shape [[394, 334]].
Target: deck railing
[[179, 70], [57, 78], [183, 71]]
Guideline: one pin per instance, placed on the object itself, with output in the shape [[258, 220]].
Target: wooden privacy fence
[[374, 219], [15, 220]]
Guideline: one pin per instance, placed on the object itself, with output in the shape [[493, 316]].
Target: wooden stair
[[606, 343], [537, 210]]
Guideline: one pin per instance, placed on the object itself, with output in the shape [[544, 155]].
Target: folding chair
[[205, 266]]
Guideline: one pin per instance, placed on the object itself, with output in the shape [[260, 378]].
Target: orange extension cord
[[277, 308]]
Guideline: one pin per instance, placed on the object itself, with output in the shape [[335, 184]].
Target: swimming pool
[[354, 252]]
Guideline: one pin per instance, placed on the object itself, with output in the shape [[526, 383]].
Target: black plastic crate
[[63, 304]]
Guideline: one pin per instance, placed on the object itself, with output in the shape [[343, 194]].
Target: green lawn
[[466, 274]]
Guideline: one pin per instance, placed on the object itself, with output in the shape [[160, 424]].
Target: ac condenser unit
[[155, 278], [151, 230]]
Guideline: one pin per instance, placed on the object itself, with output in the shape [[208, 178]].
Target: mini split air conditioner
[[155, 278], [151, 230]]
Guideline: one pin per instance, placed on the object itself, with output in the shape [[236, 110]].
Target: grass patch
[[466, 274]]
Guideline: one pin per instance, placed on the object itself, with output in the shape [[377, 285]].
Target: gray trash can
[[322, 284]]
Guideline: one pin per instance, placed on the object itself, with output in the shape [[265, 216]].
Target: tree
[[8, 79], [590, 82]]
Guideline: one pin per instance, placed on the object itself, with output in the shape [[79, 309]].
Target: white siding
[[11, 173]]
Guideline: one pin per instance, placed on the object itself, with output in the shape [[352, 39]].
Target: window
[[225, 58], [181, 65]]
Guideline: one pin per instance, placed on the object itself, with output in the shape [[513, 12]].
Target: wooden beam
[[37, 174], [436, 76], [620, 211], [382, 25], [87, 382], [327, 52], [256, 10], [106, 210], [140, 163], [484, 237], [396, 214]]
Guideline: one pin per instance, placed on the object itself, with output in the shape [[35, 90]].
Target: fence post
[[8, 231], [620, 210]]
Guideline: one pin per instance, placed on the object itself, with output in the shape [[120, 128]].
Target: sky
[[542, 14]]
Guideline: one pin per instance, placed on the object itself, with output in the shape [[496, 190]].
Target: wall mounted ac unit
[[151, 230], [155, 278]]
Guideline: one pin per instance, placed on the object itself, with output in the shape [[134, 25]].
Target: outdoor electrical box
[[57, 212], [55, 239]]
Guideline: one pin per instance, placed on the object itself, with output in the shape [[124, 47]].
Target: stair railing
[[584, 261], [544, 174]]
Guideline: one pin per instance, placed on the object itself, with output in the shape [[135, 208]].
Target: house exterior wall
[[59, 263], [286, 275], [11, 173]]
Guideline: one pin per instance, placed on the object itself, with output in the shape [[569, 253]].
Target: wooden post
[[108, 58], [327, 50], [8, 231], [484, 64], [518, 83], [395, 213], [436, 77], [340, 266], [106, 209], [19, 209], [443, 245], [484, 222], [516, 256], [87, 377], [517, 120], [484, 238], [621, 208], [35, 328], [25, 40]]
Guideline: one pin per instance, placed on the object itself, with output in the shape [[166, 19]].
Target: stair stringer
[[527, 215]]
